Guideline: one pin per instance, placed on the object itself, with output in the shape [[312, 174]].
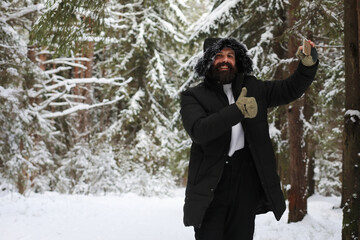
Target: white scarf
[[237, 131]]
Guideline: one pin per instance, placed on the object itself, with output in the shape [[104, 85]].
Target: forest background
[[89, 91]]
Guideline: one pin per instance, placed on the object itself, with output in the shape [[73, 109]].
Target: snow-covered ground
[[52, 216]]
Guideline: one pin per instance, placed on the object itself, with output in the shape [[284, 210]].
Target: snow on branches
[[353, 114]]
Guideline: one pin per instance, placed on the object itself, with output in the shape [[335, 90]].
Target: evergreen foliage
[[128, 94], [20, 124], [66, 23]]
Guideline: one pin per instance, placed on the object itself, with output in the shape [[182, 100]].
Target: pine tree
[[142, 48], [147, 119], [23, 132]]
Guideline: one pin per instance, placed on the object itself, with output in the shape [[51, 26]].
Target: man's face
[[224, 68]]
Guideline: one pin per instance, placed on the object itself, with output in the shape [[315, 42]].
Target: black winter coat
[[208, 118]]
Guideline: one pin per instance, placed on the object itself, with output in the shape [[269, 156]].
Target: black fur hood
[[243, 62]]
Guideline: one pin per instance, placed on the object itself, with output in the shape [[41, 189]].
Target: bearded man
[[232, 170]]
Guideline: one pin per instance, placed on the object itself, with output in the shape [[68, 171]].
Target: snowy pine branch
[[79, 107], [20, 13], [71, 83], [218, 15]]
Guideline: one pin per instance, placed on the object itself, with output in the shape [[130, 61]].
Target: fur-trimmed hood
[[211, 48]]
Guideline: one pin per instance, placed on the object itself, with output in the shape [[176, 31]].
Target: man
[[232, 170]]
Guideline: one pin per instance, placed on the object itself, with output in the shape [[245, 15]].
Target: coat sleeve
[[202, 126], [280, 92]]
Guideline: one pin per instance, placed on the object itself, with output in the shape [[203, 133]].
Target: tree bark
[[282, 154], [310, 142], [298, 191], [82, 122], [42, 58], [351, 152]]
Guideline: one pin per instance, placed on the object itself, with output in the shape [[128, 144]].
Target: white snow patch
[[353, 114], [204, 24], [12, 71], [130, 217], [273, 131], [323, 221]]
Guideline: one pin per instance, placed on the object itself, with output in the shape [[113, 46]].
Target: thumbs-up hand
[[247, 105]]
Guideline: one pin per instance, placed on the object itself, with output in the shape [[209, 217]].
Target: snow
[[80, 106], [353, 114], [273, 131], [131, 217], [22, 12], [12, 71], [205, 24], [178, 12], [70, 83], [9, 94]]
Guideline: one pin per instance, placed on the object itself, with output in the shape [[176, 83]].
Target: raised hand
[[307, 53]]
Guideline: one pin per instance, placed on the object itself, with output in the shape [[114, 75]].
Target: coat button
[[226, 162], [211, 189]]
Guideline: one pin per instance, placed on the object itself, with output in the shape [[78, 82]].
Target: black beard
[[221, 76]]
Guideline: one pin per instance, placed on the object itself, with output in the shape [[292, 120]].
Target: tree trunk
[[42, 58], [82, 121], [31, 53], [282, 153], [298, 191], [310, 142], [88, 87], [351, 154]]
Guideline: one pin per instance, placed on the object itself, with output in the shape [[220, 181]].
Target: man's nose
[[225, 59]]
